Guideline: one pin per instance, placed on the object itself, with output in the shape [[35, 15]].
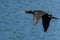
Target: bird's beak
[[24, 12]]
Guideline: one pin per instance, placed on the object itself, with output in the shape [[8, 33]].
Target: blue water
[[15, 25]]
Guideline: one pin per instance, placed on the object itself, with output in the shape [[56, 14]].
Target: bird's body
[[46, 18]]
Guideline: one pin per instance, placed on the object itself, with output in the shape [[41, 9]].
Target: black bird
[[37, 14]]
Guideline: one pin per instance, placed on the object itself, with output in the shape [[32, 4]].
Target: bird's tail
[[54, 18]]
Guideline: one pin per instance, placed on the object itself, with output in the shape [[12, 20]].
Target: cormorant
[[37, 14]]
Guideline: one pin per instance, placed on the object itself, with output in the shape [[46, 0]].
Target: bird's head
[[28, 12]]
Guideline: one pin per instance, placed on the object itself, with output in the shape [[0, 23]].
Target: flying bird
[[38, 14]]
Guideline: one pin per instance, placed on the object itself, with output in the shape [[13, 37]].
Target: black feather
[[45, 21], [46, 18]]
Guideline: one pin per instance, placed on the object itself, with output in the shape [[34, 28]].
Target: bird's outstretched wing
[[36, 17], [45, 21]]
